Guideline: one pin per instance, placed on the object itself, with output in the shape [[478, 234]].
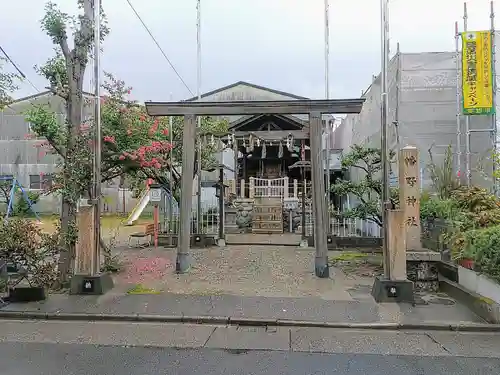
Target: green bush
[[20, 207], [435, 208], [483, 246]]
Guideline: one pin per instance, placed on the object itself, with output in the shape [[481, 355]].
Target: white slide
[[140, 206]]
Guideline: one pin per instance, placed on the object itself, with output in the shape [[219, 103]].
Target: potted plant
[[32, 254]]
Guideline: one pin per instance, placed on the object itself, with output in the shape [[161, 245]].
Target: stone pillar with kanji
[[409, 195]]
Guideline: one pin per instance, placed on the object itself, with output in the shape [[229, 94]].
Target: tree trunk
[[69, 232]]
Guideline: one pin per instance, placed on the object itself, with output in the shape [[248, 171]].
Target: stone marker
[[409, 195]]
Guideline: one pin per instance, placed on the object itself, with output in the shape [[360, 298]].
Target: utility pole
[[198, 92], [327, 123], [97, 139], [384, 109], [88, 278]]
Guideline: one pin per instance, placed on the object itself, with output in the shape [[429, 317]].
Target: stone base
[[384, 290], [221, 242], [182, 263], [321, 268], [91, 285], [422, 269]]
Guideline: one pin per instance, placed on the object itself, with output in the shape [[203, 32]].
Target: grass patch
[[49, 223], [358, 263], [347, 256], [140, 289]]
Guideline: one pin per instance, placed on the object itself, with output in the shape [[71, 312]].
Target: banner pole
[[494, 99], [467, 117], [459, 106]]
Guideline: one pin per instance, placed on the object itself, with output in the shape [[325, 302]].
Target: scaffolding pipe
[[481, 130], [467, 129], [494, 133], [459, 105], [326, 171], [384, 110], [198, 93]]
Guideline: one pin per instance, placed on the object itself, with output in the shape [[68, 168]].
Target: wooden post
[[397, 244], [85, 244], [251, 190], [242, 188], [286, 187], [409, 195], [318, 190], [401, 225], [182, 264]]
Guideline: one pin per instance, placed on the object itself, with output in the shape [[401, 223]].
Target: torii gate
[[313, 108]]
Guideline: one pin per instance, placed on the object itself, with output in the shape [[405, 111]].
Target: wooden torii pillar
[[314, 108]]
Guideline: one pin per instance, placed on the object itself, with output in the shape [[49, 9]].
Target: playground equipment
[[142, 203], [139, 207], [12, 196]]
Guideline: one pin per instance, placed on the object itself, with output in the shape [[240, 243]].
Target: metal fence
[[209, 216], [343, 227]]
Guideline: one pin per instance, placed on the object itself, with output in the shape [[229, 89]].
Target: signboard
[[477, 73], [155, 194], [290, 203]]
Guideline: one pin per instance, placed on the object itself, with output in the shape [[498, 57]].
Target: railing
[[261, 187], [276, 187]]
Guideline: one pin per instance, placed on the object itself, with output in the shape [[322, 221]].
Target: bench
[[149, 231]]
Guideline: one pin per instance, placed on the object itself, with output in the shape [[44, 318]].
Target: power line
[[18, 69], [159, 47]]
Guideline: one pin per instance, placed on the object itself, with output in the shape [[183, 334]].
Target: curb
[[221, 320]]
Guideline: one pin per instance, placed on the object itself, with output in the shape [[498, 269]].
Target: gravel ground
[[239, 270]]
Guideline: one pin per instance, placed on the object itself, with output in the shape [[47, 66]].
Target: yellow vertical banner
[[477, 73]]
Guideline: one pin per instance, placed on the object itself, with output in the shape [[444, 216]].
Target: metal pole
[[494, 114], [171, 178], [384, 125], [467, 123], [327, 96], [458, 101], [327, 50], [96, 266], [221, 203], [198, 91]]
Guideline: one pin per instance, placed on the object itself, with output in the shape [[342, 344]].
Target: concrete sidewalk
[[222, 309], [236, 339]]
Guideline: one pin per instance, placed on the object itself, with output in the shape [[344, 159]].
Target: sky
[[273, 43]]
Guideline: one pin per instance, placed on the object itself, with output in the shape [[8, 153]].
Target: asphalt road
[[83, 359]]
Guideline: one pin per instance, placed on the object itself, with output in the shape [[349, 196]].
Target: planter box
[[479, 284], [27, 294]]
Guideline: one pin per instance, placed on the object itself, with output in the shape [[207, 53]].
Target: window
[[40, 182]]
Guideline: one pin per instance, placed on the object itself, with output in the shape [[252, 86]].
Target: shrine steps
[[249, 239], [267, 215]]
